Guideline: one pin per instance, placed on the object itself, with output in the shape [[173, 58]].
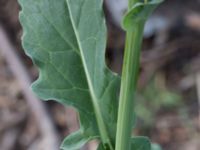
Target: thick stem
[[128, 87]]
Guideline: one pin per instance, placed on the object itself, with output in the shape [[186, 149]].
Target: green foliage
[[66, 40], [139, 12]]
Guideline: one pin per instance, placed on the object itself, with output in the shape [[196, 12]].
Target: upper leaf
[[139, 12], [66, 39]]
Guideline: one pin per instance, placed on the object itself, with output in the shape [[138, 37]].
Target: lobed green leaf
[[66, 40]]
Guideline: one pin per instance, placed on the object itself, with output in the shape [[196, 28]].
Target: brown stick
[[49, 135]]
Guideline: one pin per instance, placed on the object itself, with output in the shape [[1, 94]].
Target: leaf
[[66, 40], [139, 12], [76, 140], [140, 143]]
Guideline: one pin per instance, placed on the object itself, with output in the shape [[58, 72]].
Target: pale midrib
[[99, 117]]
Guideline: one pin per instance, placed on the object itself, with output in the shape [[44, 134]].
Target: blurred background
[[168, 97]]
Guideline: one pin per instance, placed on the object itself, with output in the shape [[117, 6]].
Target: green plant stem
[[128, 86]]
